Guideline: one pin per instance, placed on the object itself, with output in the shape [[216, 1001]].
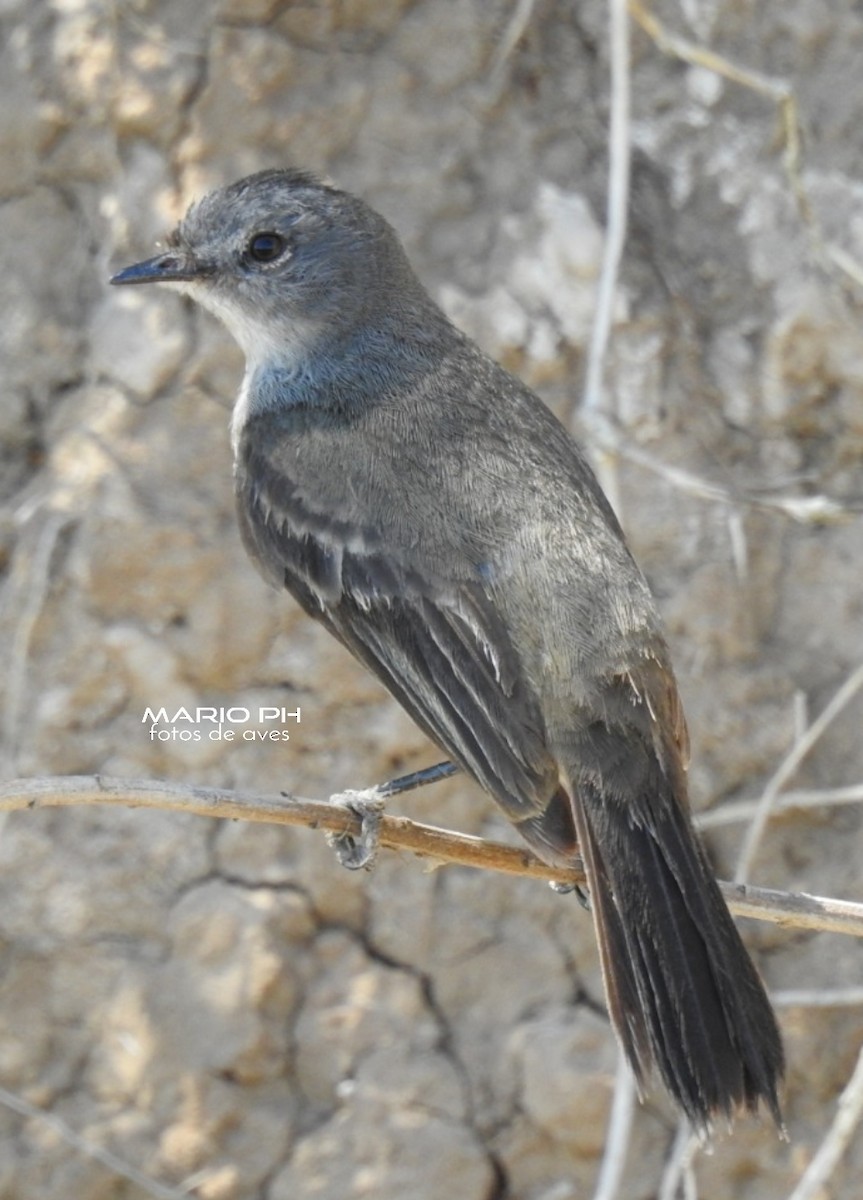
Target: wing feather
[[439, 647]]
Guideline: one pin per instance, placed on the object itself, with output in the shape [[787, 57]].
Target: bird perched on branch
[[424, 504]]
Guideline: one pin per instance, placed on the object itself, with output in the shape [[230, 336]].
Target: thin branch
[[27, 601], [604, 435], [616, 204], [678, 1175], [849, 1113], [89, 1149], [512, 35], [619, 1133], [700, 56], [616, 217], [745, 810], [794, 910], [850, 997], [788, 767], [397, 833]]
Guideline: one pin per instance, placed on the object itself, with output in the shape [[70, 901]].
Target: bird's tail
[[681, 989]]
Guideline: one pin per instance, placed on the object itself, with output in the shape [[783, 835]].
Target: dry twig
[[788, 767], [512, 35], [616, 219], [619, 1133], [796, 910], [89, 1148], [849, 1113], [31, 579], [745, 810], [848, 997], [605, 435], [678, 1177]]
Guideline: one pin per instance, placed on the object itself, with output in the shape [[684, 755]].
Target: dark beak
[[172, 267]]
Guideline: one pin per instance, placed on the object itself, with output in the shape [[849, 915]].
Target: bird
[[427, 508]]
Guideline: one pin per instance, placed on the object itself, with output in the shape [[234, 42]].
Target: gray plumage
[[429, 509]]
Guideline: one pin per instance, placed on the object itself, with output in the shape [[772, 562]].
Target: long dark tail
[[682, 991]]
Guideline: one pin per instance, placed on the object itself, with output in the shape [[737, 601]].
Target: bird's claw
[[563, 889], [358, 853]]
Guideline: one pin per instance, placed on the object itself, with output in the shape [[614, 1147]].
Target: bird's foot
[[358, 853]]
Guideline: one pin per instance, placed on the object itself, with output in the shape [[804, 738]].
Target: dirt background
[[219, 1005]]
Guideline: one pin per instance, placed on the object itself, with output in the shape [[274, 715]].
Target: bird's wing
[[440, 647]]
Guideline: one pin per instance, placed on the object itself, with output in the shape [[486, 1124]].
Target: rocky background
[[219, 1005]]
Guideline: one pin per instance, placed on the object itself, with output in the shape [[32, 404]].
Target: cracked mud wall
[[219, 1005]]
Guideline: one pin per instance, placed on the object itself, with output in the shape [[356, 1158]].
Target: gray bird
[[425, 505]]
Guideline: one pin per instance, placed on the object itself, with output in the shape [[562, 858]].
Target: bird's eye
[[266, 247]]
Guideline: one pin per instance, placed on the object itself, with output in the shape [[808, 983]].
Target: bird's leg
[[407, 783], [368, 804]]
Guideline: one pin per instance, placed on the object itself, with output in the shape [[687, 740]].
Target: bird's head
[[283, 260]]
